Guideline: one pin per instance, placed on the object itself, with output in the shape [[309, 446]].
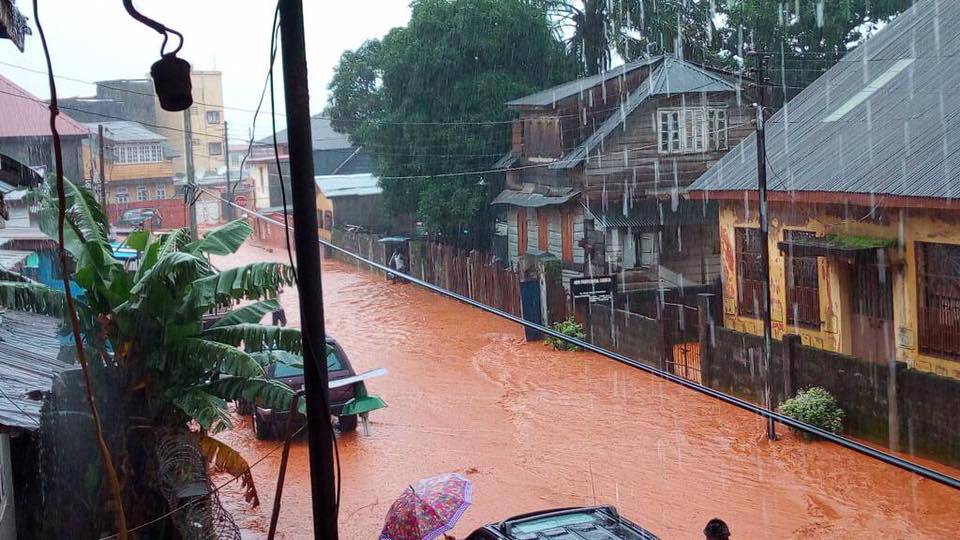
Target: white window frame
[[210, 148], [685, 130], [138, 153], [216, 121], [161, 191], [143, 194], [120, 194]]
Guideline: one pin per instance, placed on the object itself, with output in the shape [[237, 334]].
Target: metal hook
[[158, 27]]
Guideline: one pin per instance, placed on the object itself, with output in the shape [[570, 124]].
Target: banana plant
[[143, 330]]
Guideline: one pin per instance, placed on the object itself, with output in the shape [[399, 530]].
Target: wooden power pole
[[103, 182], [191, 176], [764, 242]]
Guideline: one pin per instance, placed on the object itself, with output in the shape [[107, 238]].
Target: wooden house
[[599, 168]]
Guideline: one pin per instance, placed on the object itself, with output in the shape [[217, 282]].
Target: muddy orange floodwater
[[536, 429]]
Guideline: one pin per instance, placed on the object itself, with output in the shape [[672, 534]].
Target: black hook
[[171, 75]]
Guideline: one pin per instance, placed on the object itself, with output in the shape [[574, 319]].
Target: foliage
[[817, 407], [569, 327], [145, 330], [456, 60]]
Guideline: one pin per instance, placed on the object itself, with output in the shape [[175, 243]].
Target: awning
[[10, 259], [532, 199], [651, 214], [648, 221], [834, 245]]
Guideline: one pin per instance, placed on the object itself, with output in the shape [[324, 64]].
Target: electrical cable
[[861, 448]]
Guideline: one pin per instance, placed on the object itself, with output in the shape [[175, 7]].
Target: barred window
[[803, 286], [749, 275], [938, 278]]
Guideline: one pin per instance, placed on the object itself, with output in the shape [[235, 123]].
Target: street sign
[[595, 289]]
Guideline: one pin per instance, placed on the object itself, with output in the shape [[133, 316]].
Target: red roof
[[25, 115]]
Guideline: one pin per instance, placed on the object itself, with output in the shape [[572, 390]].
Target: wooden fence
[[476, 275]]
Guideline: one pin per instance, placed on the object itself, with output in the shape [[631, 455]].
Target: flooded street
[[536, 429]]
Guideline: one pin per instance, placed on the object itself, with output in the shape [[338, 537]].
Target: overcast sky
[[100, 41]]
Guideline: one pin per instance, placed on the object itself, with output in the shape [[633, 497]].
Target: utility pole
[[309, 286], [226, 160], [103, 183], [191, 177], [764, 242]]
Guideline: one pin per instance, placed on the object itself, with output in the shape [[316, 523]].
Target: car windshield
[[333, 360], [552, 522], [282, 370]]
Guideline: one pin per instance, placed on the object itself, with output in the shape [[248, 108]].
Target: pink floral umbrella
[[428, 508]]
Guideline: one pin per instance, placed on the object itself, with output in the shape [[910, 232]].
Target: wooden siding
[[554, 234], [133, 171], [629, 159]]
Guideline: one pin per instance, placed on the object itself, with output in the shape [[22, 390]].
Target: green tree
[[429, 99], [143, 332]]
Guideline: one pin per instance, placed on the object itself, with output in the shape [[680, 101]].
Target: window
[[750, 287], [327, 220], [803, 286], [213, 117], [121, 195], [142, 193], [161, 191], [717, 129], [692, 130], [138, 153], [215, 148], [938, 278]]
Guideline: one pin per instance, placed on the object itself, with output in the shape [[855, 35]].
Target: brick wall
[[174, 211]]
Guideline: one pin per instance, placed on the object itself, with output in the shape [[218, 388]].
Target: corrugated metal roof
[[345, 185], [674, 76], [323, 134], [531, 199], [572, 88], [24, 115], [125, 131], [507, 160], [902, 140], [652, 213], [28, 364], [10, 259]]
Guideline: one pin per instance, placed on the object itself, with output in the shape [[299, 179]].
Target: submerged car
[[269, 423], [140, 218], [598, 522]]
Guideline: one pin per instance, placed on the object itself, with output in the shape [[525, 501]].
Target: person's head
[[716, 529]]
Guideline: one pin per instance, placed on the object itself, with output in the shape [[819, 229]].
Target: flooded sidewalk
[[536, 429]]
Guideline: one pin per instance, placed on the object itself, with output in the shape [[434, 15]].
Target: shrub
[[815, 406], [569, 327]]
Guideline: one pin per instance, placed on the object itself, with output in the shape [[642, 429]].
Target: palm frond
[[224, 240], [251, 313], [167, 244], [208, 410], [266, 358], [250, 282], [137, 240], [84, 214], [226, 459], [266, 393], [174, 269], [257, 337], [32, 296], [217, 357]]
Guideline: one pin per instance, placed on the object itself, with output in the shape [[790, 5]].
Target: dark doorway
[[872, 324]]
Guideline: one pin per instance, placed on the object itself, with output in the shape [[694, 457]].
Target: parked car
[[140, 218], [268, 423], [585, 522]]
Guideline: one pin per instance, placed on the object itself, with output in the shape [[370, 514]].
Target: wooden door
[[566, 236], [521, 232], [543, 230], [872, 321]]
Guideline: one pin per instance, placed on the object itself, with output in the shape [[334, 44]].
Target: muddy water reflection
[[536, 429]]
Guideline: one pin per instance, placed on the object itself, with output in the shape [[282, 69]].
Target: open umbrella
[[428, 508]]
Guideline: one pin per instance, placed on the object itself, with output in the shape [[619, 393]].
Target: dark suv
[[268, 423], [589, 523], [140, 218]]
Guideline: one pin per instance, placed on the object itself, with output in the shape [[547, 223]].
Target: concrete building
[[206, 123]]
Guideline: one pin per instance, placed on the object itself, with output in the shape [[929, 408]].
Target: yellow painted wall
[[207, 96], [323, 205], [115, 172], [940, 226], [261, 185]]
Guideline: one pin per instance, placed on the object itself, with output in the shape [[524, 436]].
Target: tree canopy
[[428, 99]]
